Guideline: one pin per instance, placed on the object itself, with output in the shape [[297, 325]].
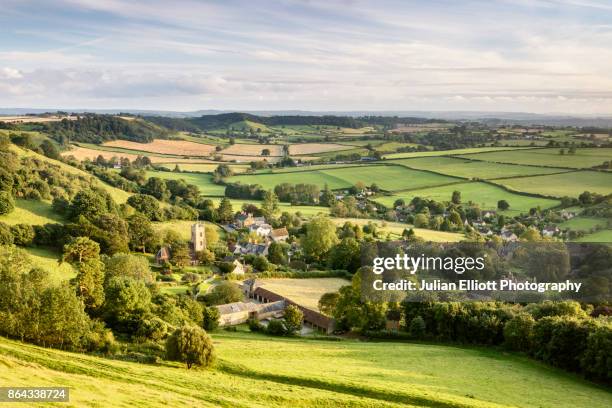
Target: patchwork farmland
[[583, 158]]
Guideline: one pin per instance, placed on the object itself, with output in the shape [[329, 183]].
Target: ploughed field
[[255, 370]]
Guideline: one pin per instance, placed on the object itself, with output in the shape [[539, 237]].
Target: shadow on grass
[[350, 389]]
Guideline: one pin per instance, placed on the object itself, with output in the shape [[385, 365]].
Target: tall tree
[[320, 237], [270, 204]]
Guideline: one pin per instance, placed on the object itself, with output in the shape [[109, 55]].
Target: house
[[550, 231], [162, 255], [279, 235], [238, 268], [251, 249], [263, 230], [489, 214], [508, 235], [243, 219]]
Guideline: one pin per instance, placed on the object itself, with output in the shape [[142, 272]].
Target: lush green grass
[[599, 236], [389, 178], [559, 185], [583, 223], [395, 230], [483, 194], [473, 169], [31, 212], [258, 371], [584, 158], [305, 210], [446, 152], [203, 167], [203, 181], [48, 260]]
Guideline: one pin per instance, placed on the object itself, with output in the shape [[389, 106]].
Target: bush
[[254, 325], [6, 236], [6, 202], [518, 332], [23, 234], [293, 319], [100, 339], [153, 329], [596, 361], [276, 328], [190, 345], [417, 328], [550, 308], [210, 320]]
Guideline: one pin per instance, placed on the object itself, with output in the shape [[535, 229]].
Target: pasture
[[181, 227], [599, 236], [561, 185], [483, 194], [162, 146], [468, 150], [305, 210], [395, 229], [313, 148], [583, 223], [304, 292], [202, 180], [49, 261], [203, 167], [473, 169], [584, 157], [240, 149], [389, 178], [255, 370], [32, 212]]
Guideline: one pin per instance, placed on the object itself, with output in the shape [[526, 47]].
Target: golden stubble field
[[313, 148], [161, 146]]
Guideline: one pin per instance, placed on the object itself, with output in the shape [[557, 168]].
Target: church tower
[[198, 236]]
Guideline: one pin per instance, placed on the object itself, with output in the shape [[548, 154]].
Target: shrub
[[293, 319], [190, 345], [254, 325], [23, 234], [550, 308], [210, 320], [153, 329], [6, 236], [6, 203], [518, 332], [417, 328], [276, 328], [596, 360]]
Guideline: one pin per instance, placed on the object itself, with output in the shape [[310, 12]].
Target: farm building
[[232, 314], [279, 234]]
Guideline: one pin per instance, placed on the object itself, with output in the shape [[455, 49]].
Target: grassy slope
[[118, 195], [31, 212], [565, 184], [599, 236], [305, 210], [258, 371], [182, 227], [48, 260], [485, 195], [468, 150], [583, 223]]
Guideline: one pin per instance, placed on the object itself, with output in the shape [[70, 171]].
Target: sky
[[541, 56]]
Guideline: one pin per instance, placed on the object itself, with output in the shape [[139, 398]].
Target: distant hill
[[224, 120], [93, 128]]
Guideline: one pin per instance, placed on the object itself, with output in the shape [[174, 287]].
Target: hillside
[[258, 371]]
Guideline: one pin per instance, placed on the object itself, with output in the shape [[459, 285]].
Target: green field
[[583, 223], [182, 227], [49, 260], [31, 212], [258, 371], [395, 229], [584, 158], [203, 181], [473, 169], [483, 194], [305, 210], [599, 236], [560, 185], [389, 178], [203, 167], [448, 152]]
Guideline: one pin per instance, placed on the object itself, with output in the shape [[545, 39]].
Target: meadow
[[468, 150], [254, 370], [181, 227], [395, 230], [583, 223], [32, 212], [204, 181], [388, 178], [304, 210], [312, 148], [599, 236], [584, 157], [473, 169], [483, 194], [304, 292], [203, 167], [49, 261], [560, 185]]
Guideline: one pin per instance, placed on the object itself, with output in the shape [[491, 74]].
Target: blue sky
[[522, 55]]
